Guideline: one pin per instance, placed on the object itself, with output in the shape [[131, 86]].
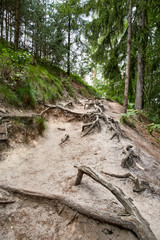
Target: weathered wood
[[126, 222], [80, 114], [137, 185], [139, 225], [128, 160]]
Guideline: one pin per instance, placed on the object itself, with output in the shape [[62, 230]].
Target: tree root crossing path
[[122, 188]]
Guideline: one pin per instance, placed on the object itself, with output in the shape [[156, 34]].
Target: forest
[[119, 44], [79, 119]]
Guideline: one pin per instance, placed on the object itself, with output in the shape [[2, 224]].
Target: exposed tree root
[[127, 222], [114, 126], [69, 105], [3, 132], [90, 103], [78, 114], [135, 222], [138, 187], [92, 119], [128, 160]]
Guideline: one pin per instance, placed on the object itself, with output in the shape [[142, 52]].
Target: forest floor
[[47, 167]]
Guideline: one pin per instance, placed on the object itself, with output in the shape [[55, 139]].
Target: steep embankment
[[47, 167], [26, 82]]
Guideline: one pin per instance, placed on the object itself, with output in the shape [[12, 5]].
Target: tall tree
[[141, 58], [127, 76], [17, 25]]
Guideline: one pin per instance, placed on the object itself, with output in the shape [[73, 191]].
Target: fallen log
[[136, 222]]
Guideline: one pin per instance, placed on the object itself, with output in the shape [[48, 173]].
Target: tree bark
[[2, 18], [69, 46], [140, 74], [125, 103], [17, 26]]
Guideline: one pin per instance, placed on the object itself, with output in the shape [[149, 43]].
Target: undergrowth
[[27, 82]]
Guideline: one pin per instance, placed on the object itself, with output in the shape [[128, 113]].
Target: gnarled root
[[114, 126], [128, 160], [137, 184], [136, 222]]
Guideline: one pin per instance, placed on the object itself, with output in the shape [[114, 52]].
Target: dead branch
[[63, 140], [126, 222], [61, 129], [137, 223], [137, 184]]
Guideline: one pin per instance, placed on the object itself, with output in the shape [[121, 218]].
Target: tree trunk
[[7, 25], [69, 46], [2, 17], [140, 74], [17, 26], [10, 28], [125, 103], [37, 33]]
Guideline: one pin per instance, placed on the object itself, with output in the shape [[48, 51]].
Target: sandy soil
[[48, 167]]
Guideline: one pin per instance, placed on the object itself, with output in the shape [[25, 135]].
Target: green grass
[[25, 81], [9, 95]]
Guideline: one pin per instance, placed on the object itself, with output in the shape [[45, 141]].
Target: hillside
[[39, 199], [26, 82]]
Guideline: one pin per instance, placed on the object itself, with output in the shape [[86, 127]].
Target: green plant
[[41, 125], [27, 94], [9, 95], [128, 118], [152, 126]]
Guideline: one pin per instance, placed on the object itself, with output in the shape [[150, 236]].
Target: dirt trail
[[49, 167]]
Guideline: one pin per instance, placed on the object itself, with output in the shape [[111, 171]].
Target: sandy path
[[49, 167]]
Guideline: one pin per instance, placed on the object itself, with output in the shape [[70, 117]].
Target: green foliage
[[9, 95], [152, 126], [91, 90], [41, 125], [69, 89], [128, 118], [27, 95]]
